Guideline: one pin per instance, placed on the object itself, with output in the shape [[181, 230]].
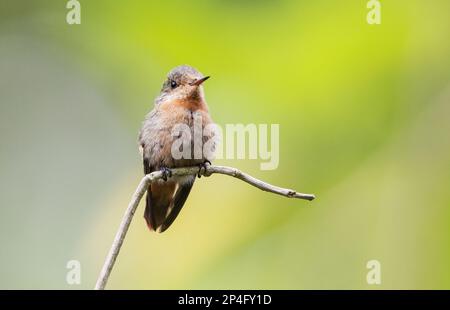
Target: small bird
[[181, 99]]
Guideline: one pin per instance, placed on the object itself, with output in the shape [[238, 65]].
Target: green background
[[364, 114]]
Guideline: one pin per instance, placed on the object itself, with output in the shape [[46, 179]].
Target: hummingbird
[[181, 100]]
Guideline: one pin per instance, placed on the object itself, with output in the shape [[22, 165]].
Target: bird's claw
[[166, 173], [202, 166]]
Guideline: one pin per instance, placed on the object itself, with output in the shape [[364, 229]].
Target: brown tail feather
[[159, 199], [178, 202]]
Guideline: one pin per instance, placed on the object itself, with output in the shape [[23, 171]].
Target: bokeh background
[[364, 114]]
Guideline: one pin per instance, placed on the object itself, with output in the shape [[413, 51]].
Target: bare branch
[[149, 178]]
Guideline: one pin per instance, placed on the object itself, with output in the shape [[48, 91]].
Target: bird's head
[[183, 83]]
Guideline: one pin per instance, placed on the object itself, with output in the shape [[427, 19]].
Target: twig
[[149, 178]]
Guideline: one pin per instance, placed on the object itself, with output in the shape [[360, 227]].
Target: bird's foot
[[166, 173], [202, 166]]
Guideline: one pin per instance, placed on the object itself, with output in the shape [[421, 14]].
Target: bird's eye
[[173, 84]]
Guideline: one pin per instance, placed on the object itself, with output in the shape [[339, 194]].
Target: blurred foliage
[[364, 117]]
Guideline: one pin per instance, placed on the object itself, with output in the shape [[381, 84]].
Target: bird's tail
[[164, 202]]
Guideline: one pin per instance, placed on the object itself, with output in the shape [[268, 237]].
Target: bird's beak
[[199, 81]]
